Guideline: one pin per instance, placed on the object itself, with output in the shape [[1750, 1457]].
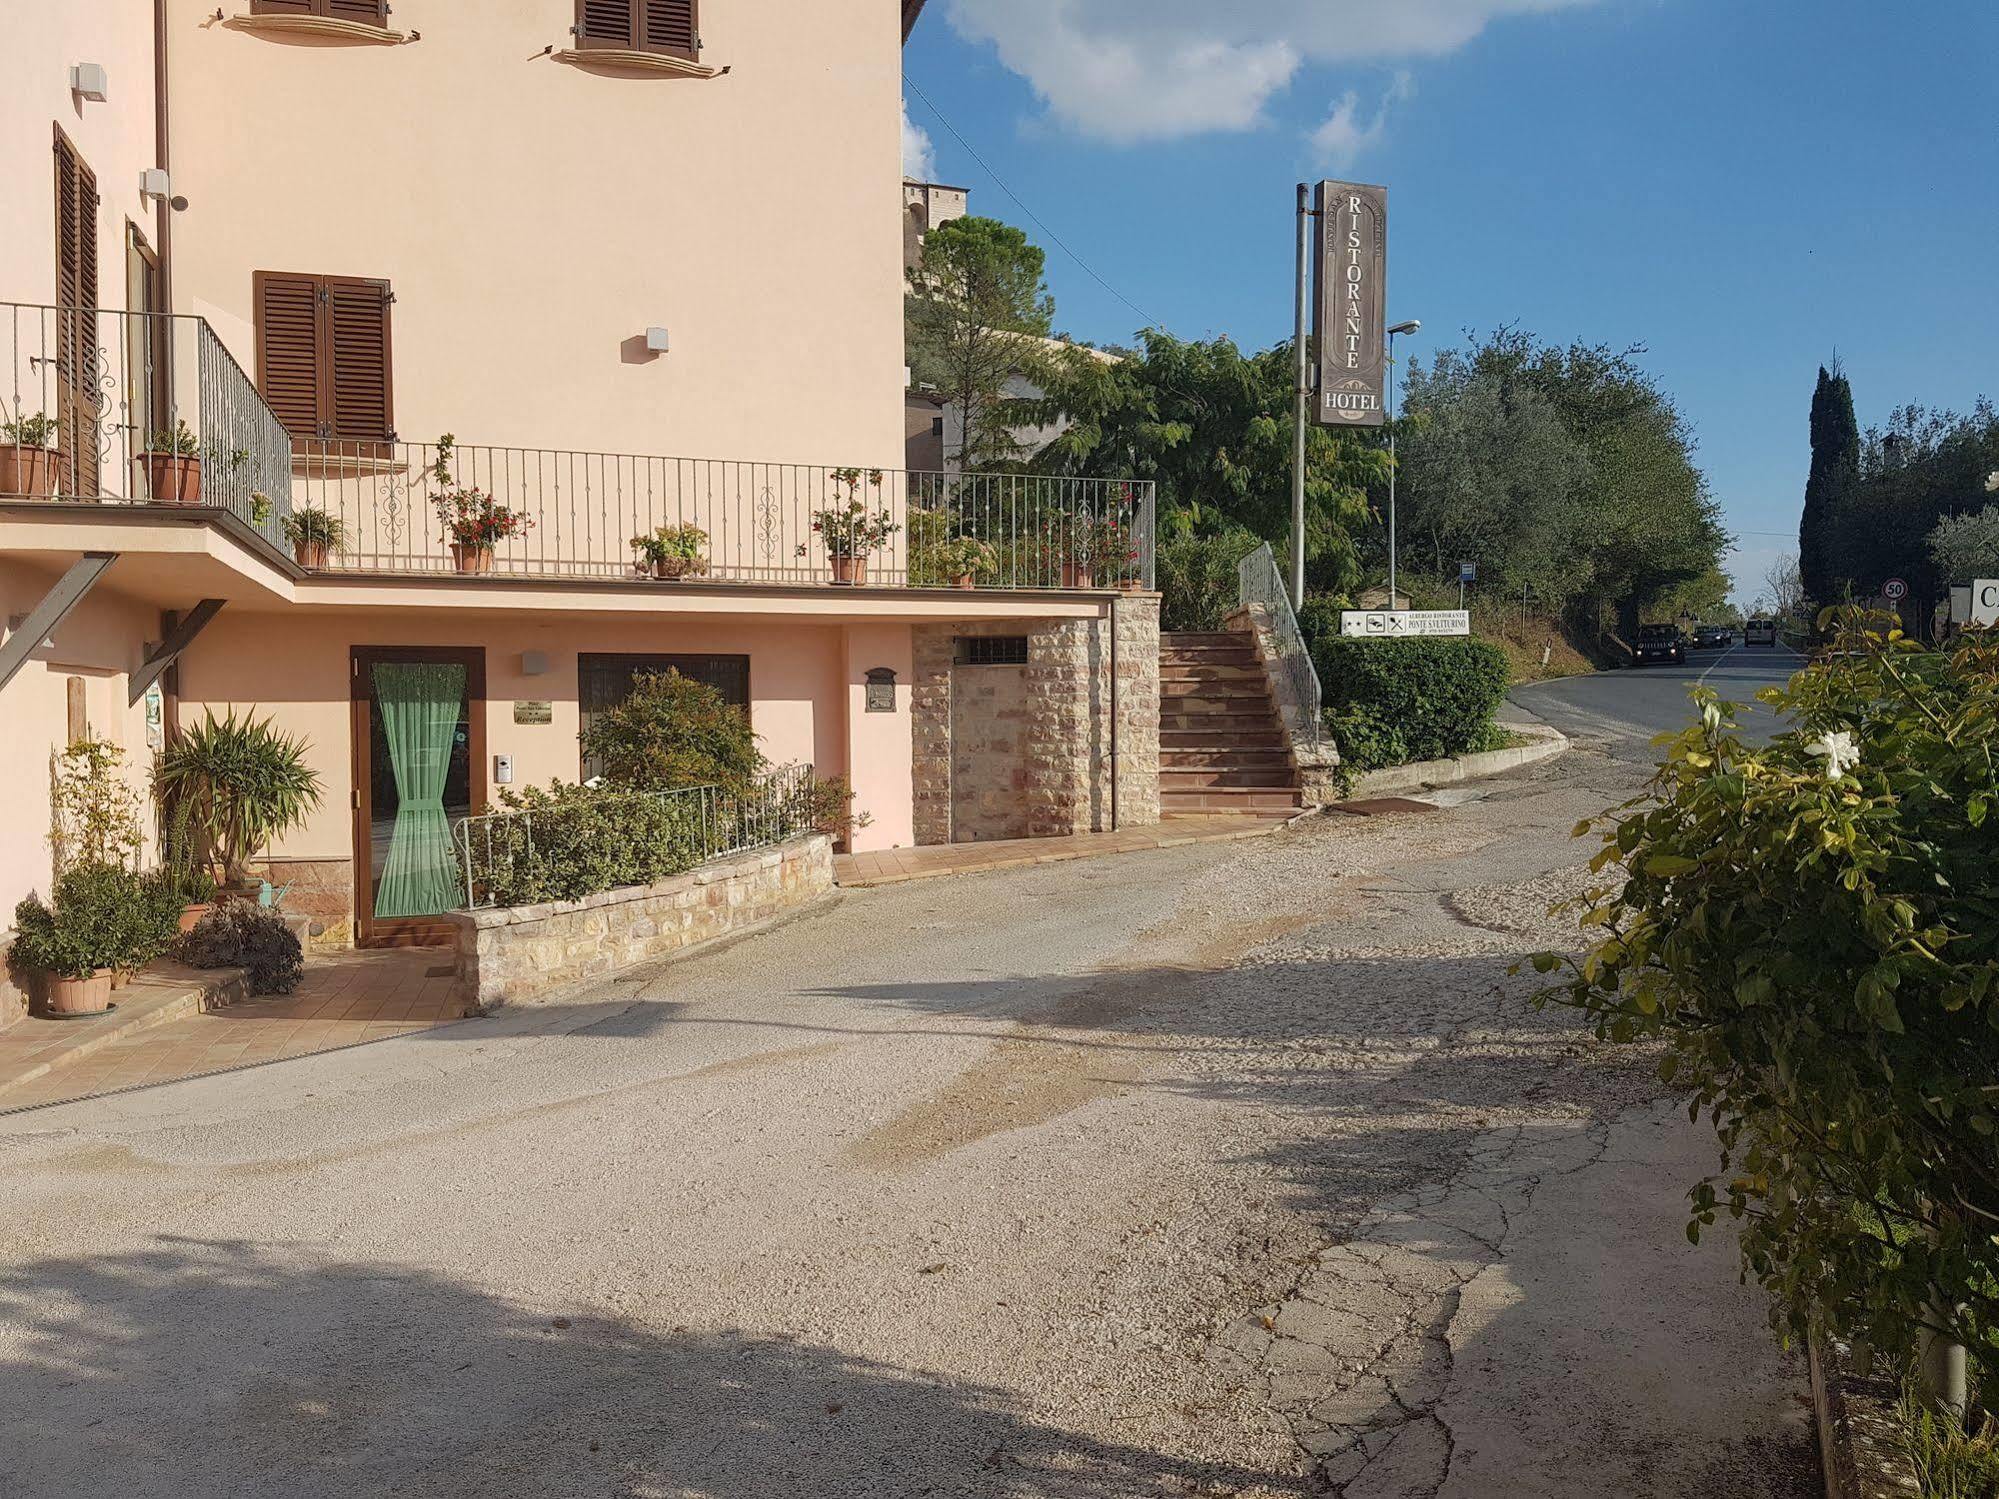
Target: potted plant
[[242, 783], [315, 535], [27, 466], [183, 889], [474, 522], [962, 561], [98, 925], [172, 461], [672, 552], [855, 531]]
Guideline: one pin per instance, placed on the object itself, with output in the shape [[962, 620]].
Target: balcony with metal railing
[[99, 406]]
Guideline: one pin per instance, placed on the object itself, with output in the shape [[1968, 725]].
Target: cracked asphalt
[[1240, 1169]]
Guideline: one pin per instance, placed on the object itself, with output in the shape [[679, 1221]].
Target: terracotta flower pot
[[67, 996], [1131, 585], [173, 478], [1078, 575], [672, 567], [471, 557], [852, 571], [190, 916], [311, 553], [27, 471], [964, 580]]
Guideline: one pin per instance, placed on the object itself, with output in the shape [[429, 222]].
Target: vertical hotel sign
[[1353, 303]]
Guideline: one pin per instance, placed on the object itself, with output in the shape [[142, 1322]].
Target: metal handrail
[[1260, 584], [718, 823]]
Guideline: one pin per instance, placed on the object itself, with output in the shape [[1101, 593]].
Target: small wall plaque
[[881, 690], [534, 710]]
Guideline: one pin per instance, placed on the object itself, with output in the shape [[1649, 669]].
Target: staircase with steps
[[1222, 746]]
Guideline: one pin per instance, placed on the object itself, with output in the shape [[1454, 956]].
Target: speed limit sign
[[1894, 590]]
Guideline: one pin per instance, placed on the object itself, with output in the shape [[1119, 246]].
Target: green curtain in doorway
[[421, 704]]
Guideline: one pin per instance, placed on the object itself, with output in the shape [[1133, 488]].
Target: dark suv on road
[[1712, 637], [1658, 643]]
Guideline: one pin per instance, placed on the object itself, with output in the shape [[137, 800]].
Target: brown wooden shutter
[[288, 363], [607, 23], [368, 12], [356, 324], [669, 27], [77, 393]]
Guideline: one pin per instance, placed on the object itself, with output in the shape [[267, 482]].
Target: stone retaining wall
[[1026, 751], [523, 952]]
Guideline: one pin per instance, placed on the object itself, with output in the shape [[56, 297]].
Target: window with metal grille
[[992, 650], [665, 26], [604, 680]]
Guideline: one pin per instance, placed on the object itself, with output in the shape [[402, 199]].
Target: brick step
[[1268, 777], [1222, 754], [1171, 638], [1229, 799], [1191, 745], [1213, 723], [1245, 653], [1205, 672], [1215, 697]]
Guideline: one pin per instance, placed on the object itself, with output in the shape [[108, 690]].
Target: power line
[[1149, 320]]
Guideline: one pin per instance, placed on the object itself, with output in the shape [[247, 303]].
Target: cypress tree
[[1834, 474]]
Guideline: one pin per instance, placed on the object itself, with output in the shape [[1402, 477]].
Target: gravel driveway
[[1236, 1169]]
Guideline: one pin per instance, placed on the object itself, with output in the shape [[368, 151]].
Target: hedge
[[1392, 701]]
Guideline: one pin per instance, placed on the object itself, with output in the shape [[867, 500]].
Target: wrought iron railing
[[1261, 587], [499, 852], [99, 404], [575, 514]]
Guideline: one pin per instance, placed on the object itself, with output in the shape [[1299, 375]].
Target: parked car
[[1659, 643], [1710, 637], [1760, 632]]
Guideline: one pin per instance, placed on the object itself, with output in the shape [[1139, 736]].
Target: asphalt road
[[1237, 1169], [1620, 711]]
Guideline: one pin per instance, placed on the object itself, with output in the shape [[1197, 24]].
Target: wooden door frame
[[403, 931]]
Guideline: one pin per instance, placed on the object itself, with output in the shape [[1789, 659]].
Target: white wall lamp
[[87, 80], [155, 183], [534, 663]]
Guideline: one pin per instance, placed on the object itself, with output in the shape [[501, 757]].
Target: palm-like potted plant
[[672, 552], [474, 521], [172, 462], [100, 923], [243, 783], [315, 535], [854, 531], [27, 466]]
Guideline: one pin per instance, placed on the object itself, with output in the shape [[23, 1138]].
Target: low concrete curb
[[1860, 1450], [1420, 775], [158, 997]]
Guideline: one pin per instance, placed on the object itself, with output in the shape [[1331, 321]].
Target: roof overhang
[[911, 9]]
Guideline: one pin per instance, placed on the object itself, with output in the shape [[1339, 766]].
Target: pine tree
[[1834, 474]]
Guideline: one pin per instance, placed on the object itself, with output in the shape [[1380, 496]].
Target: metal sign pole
[[1303, 413]]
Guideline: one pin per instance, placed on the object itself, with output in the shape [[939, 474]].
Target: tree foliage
[[1835, 472], [977, 314], [1566, 473], [1966, 547], [1812, 926]]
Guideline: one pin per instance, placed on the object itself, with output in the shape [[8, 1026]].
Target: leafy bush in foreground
[[1812, 926]]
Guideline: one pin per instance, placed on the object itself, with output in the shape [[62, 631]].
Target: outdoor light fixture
[[656, 341], [87, 80], [155, 183], [534, 663], [1414, 325]]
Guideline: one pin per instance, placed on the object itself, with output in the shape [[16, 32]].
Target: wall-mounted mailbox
[[881, 690], [503, 770]]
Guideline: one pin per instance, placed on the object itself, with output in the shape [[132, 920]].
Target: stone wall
[[1026, 751], [523, 952]]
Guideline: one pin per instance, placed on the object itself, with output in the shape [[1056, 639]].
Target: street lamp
[[1413, 325]]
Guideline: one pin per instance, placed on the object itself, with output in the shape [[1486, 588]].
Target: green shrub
[[1197, 578], [1812, 926], [579, 840], [243, 934], [673, 731], [1430, 698], [242, 783], [101, 919]]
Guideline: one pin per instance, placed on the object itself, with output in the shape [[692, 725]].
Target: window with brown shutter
[[323, 355], [368, 12], [78, 354], [664, 26]]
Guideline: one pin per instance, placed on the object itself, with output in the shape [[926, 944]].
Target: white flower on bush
[[1841, 753], [1992, 482]]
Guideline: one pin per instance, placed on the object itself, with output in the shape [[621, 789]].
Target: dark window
[[369, 12], [992, 650], [605, 680], [323, 355], [936, 426], [664, 26]]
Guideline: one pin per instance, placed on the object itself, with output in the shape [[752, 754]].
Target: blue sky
[[1744, 186]]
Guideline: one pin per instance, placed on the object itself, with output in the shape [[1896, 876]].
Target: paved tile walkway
[[345, 998], [893, 866]]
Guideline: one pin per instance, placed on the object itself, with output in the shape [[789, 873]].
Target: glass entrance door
[[418, 722]]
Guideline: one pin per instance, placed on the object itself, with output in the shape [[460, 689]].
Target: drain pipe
[[164, 225]]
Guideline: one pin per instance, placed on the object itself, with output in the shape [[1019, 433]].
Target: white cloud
[[919, 156], [1134, 70], [1343, 137]]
